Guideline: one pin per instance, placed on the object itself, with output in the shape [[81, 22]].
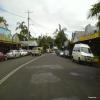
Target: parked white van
[[82, 52]]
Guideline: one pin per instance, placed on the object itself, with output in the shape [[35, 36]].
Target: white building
[[89, 29], [29, 43], [77, 35]]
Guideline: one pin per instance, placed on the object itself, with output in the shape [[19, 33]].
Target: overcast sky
[[47, 14]]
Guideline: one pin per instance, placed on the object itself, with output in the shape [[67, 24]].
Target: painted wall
[[6, 36]]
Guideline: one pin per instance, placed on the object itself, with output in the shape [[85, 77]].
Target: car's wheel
[[20, 55], [73, 59], [6, 58], [15, 56], [79, 61]]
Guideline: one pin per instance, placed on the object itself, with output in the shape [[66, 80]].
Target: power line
[[9, 12], [35, 27], [35, 22], [38, 24]]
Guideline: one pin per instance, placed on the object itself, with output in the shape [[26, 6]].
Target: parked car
[[57, 52], [2, 56], [23, 52], [82, 52], [66, 53], [61, 53], [13, 54]]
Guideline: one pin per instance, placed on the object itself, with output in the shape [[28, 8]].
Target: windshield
[[85, 50]]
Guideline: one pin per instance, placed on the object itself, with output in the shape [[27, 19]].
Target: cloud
[[47, 14]]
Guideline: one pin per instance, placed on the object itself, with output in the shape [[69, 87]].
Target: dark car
[[57, 52], [60, 52], [2, 56]]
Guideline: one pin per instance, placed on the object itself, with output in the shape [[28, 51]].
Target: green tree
[[23, 34], [3, 20], [60, 37], [98, 23], [95, 11], [50, 41], [45, 42]]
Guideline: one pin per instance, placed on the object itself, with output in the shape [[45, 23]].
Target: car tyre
[[79, 61], [73, 59], [6, 58]]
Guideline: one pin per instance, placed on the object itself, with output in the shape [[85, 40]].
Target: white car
[[82, 52], [13, 54], [23, 52], [66, 53], [61, 53]]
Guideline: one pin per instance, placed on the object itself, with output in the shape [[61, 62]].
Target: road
[[48, 77]]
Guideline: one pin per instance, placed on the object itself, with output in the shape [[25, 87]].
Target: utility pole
[[28, 12], [28, 28]]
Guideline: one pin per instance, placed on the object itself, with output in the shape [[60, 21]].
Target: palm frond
[[95, 10]]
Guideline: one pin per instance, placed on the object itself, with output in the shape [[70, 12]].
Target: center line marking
[[15, 70]]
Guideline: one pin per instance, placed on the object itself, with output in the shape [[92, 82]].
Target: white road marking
[[74, 74], [92, 97], [18, 68]]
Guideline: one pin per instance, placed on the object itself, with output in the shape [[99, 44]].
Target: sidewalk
[[97, 64]]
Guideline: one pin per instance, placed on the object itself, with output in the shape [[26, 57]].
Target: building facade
[[90, 36], [7, 40]]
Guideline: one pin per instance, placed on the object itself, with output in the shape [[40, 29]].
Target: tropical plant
[[60, 37], [98, 23], [3, 20], [24, 35], [45, 42], [95, 11]]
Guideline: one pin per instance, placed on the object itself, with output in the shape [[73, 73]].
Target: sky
[[47, 14]]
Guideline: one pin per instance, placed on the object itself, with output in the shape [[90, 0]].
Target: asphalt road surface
[[48, 77]]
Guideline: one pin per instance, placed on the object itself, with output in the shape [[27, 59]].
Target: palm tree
[[23, 31], [95, 12], [2, 20], [98, 23]]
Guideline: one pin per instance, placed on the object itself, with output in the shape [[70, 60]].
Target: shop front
[[7, 40]]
